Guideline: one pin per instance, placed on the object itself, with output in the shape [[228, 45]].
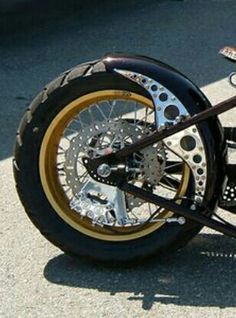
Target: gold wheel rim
[[50, 181]]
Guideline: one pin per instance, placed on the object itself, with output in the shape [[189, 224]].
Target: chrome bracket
[[169, 110]]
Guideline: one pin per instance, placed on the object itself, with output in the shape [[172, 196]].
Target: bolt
[[104, 170], [178, 119], [162, 126], [198, 200], [181, 220]]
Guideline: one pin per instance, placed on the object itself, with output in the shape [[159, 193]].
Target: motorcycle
[[124, 157]]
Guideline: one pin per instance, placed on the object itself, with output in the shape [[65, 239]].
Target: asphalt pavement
[[38, 40]]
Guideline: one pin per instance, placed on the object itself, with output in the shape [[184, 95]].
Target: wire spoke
[[171, 177], [171, 165], [163, 185], [101, 112]]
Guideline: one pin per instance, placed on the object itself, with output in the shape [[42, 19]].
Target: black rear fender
[[193, 99]]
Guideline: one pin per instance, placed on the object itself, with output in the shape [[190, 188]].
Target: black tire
[[77, 82]]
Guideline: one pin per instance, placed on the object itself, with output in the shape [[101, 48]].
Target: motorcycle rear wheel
[[41, 187]]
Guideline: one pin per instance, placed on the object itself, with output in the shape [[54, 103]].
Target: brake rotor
[[99, 138]]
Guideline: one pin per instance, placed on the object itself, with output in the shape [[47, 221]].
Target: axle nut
[[104, 170]]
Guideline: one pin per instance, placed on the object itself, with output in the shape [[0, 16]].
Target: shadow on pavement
[[39, 39], [202, 274]]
